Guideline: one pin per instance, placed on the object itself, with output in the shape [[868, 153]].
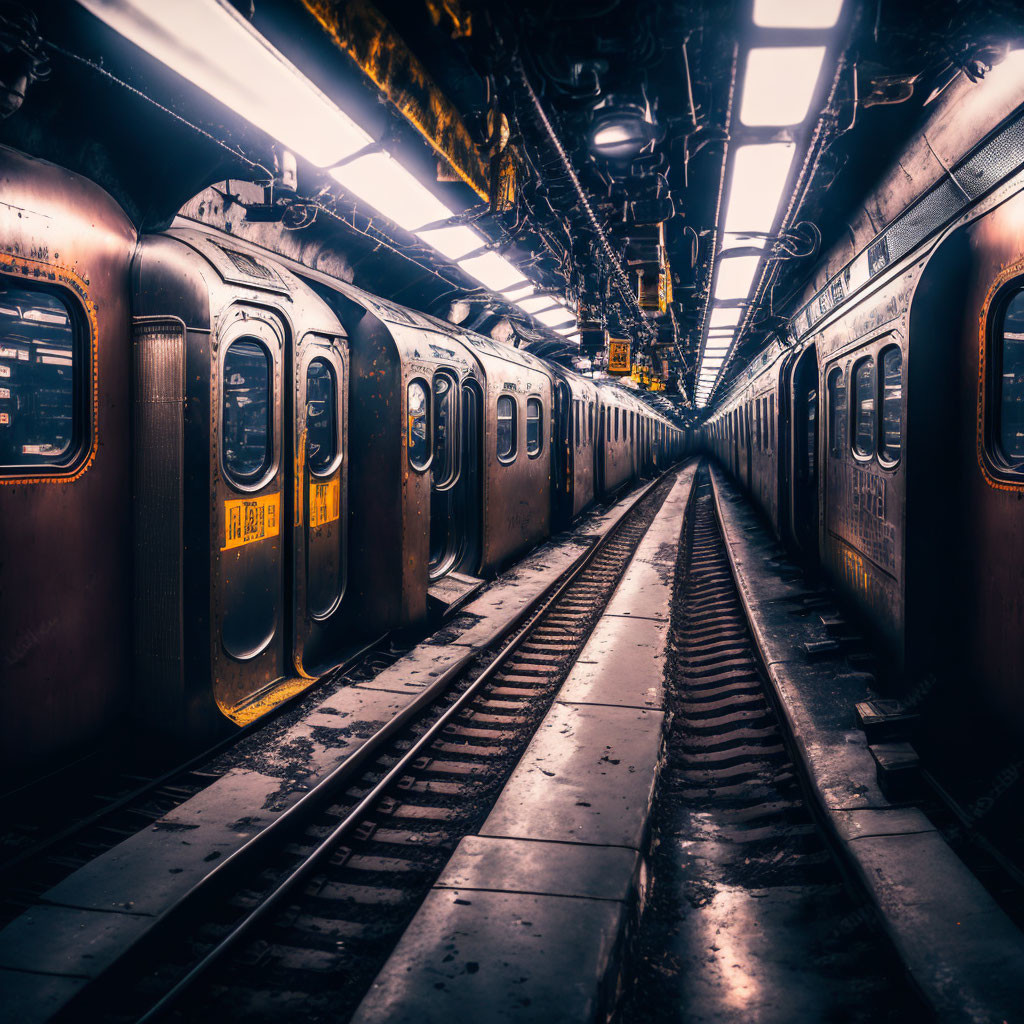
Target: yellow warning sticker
[[324, 502], [251, 519], [618, 356]]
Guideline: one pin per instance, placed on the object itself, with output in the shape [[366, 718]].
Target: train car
[[270, 465], [897, 400], [65, 484], [574, 449], [240, 470], [452, 445], [617, 440]]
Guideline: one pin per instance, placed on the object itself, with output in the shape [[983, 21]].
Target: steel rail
[[328, 845], [319, 795]]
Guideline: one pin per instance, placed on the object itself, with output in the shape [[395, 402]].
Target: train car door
[[247, 483], [445, 506], [320, 534], [804, 452], [281, 434], [563, 453], [455, 509], [472, 477]]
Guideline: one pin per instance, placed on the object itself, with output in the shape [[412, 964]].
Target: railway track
[[298, 921], [119, 803], [748, 917]]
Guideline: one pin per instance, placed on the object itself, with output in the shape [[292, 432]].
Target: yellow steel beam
[[361, 31]]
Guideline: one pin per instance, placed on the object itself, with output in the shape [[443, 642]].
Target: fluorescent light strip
[[386, 185], [779, 84], [796, 13], [453, 243], [757, 183], [493, 271], [555, 318], [519, 291], [736, 277], [212, 46], [724, 317], [536, 303]]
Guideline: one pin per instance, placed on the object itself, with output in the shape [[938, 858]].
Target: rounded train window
[[890, 442], [863, 402], [506, 444], [534, 427], [446, 437], [418, 432], [246, 433], [321, 416], [43, 379], [1008, 391]]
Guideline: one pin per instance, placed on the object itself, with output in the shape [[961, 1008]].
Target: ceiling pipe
[[621, 280]]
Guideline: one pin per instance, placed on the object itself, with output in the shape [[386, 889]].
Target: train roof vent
[[249, 266]]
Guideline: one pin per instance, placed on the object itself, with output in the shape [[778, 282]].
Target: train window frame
[[854, 407], [454, 399], [835, 410], [533, 402], [428, 415], [510, 456], [329, 468], [997, 461], [884, 459], [257, 479], [77, 456]]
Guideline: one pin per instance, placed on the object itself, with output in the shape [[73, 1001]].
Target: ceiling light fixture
[[779, 84], [210, 44], [796, 13], [735, 277], [757, 184], [493, 271]]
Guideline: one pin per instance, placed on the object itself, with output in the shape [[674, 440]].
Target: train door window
[[247, 405], [41, 380], [864, 408], [1008, 363], [891, 423], [446, 434], [506, 428], [534, 423], [321, 416], [418, 434], [836, 390], [590, 422], [771, 422]]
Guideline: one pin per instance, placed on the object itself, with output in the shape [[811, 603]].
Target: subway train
[[883, 436], [222, 470]]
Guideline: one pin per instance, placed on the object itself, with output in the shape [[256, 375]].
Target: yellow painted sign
[[324, 502], [251, 519], [618, 357]]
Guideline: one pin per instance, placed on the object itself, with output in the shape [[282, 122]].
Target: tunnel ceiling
[[586, 141]]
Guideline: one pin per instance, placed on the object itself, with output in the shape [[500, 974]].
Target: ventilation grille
[[245, 264], [158, 456], [989, 164]]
